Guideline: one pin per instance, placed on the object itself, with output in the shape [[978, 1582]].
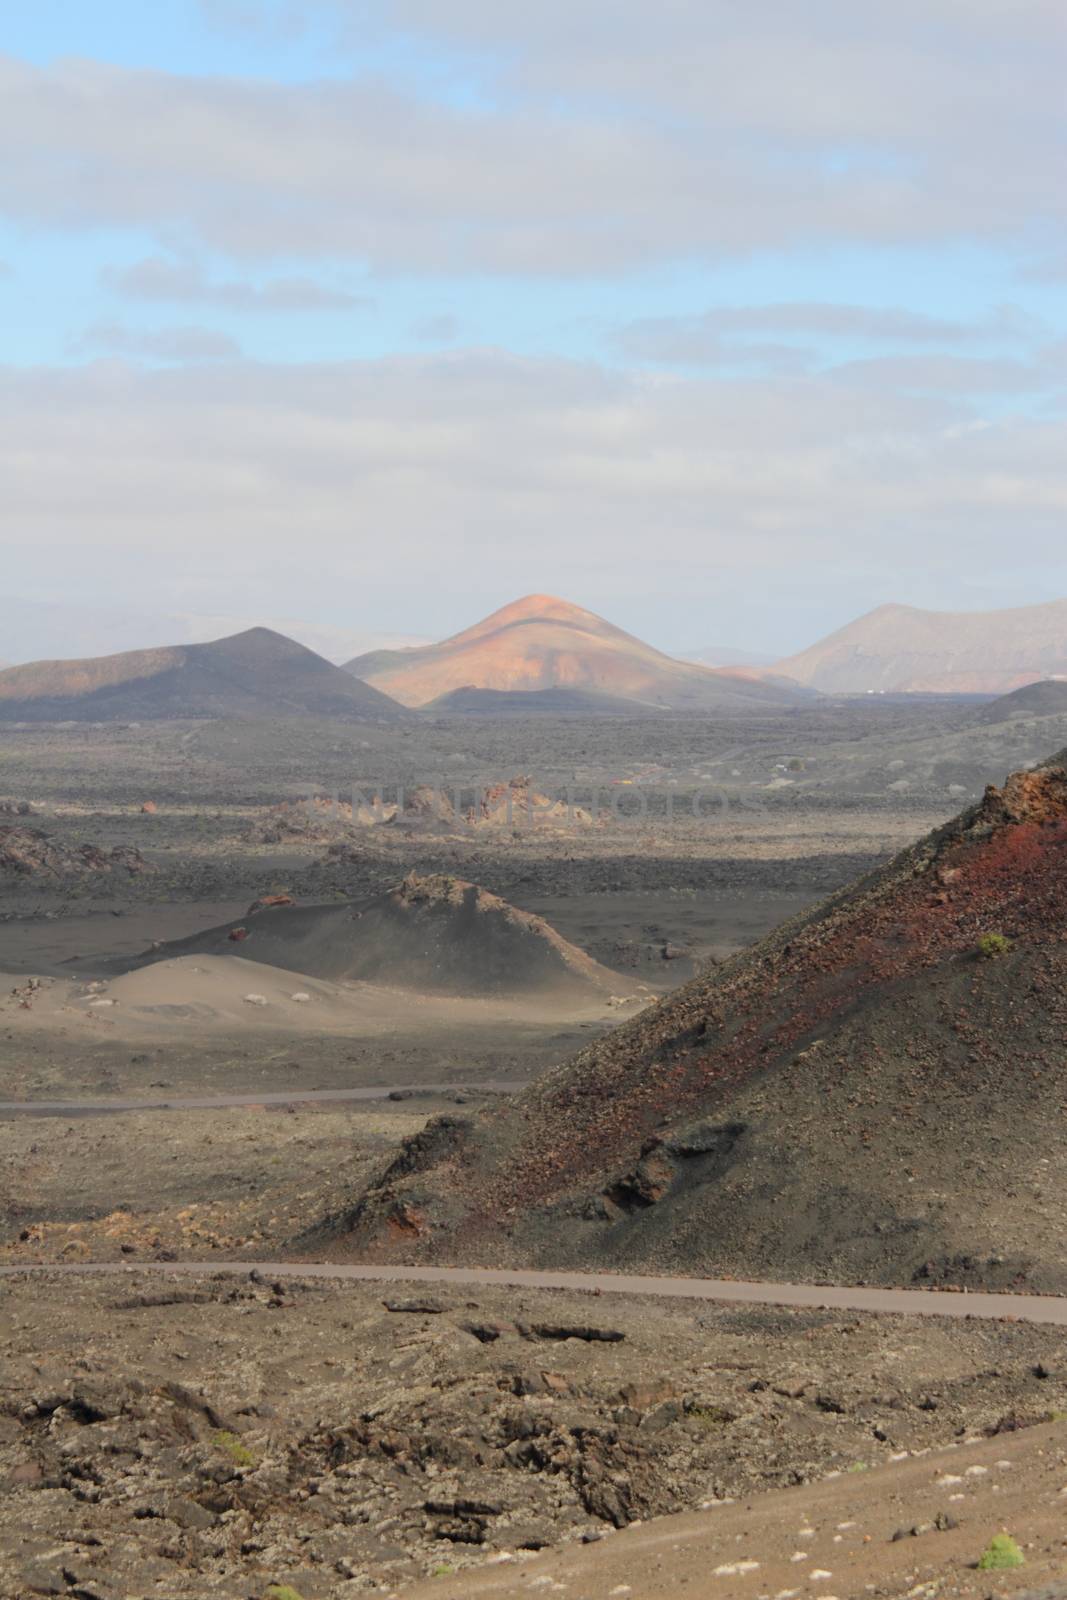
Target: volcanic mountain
[[876, 1092], [252, 674], [899, 649], [541, 643], [437, 935]]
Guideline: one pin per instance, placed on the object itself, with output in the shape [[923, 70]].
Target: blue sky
[[382, 312]]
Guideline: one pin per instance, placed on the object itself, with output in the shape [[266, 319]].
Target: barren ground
[[181, 1439], [211, 1439]]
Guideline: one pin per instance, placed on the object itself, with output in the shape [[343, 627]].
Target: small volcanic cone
[[436, 935]]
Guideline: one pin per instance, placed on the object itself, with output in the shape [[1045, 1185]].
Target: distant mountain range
[[546, 655], [901, 649], [541, 643], [255, 673]]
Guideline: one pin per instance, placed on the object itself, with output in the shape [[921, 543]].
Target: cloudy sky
[[730, 321]]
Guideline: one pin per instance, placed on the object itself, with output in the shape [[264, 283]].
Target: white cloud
[[951, 374], [609, 136], [677, 337], [711, 339], [161, 344], [164, 279], [260, 482]]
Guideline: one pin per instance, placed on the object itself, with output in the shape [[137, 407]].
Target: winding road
[[725, 1291]]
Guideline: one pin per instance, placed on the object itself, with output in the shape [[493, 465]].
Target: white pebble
[[976, 1472], [300, 996], [256, 999], [733, 1569]]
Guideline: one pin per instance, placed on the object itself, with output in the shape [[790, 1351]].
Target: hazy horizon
[[40, 630]]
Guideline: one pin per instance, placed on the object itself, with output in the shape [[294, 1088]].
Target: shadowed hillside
[[847, 1099], [1046, 699], [251, 674]]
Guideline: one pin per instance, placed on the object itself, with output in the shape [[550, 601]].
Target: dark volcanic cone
[[875, 1092], [252, 674], [437, 935]]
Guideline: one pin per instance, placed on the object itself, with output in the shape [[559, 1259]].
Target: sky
[[728, 322]]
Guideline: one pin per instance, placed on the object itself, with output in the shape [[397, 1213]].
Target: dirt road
[[903, 1302], [285, 1097]]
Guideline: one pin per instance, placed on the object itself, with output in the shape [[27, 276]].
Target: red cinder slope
[[876, 1091]]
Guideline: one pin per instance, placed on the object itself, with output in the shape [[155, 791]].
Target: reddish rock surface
[[541, 642]]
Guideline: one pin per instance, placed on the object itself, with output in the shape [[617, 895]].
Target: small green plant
[[1000, 1553], [992, 945], [710, 1416], [241, 1456], [282, 1591], [444, 1570]]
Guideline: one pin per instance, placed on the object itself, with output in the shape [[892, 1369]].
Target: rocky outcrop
[[33, 853]]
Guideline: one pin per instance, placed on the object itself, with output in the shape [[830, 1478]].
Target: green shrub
[[1001, 1552], [239, 1454], [710, 1416], [991, 945], [282, 1591]]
